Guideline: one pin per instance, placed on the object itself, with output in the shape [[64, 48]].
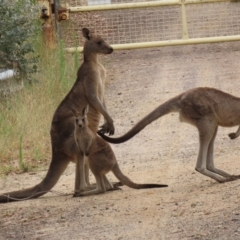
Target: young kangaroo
[[101, 158], [88, 89], [205, 108]]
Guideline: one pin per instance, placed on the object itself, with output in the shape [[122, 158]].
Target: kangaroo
[[101, 158], [205, 108], [88, 89]]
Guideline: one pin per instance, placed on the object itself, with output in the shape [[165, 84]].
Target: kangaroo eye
[[83, 120], [99, 42]]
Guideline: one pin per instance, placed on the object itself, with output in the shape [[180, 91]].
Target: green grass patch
[[25, 116]]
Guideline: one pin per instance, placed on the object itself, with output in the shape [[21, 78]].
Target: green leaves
[[19, 28]]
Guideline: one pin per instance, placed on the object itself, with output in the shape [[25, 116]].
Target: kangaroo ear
[[86, 33], [85, 110]]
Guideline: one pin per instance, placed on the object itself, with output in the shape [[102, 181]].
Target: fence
[[127, 24]]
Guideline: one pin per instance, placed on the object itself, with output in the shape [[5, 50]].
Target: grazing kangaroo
[[205, 108], [101, 158], [88, 89]]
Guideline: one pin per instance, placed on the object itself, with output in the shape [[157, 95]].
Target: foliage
[[19, 28]]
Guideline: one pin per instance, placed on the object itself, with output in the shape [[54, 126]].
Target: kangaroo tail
[[126, 181], [57, 167], [165, 108]]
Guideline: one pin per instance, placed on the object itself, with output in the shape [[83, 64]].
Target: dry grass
[[25, 117]]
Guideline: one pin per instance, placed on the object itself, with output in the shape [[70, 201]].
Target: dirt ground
[[193, 206]]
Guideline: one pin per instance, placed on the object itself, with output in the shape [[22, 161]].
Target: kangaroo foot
[[231, 178], [117, 184], [114, 188]]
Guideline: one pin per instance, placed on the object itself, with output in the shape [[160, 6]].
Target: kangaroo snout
[[110, 50], [79, 123]]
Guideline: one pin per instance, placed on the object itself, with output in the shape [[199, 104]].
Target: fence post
[[184, 20], [56, 14], [47, 25]]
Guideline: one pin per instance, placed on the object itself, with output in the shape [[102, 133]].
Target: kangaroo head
[[95, 44], [81, 118]]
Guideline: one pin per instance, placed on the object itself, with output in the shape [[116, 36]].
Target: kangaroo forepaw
[[232, 136]]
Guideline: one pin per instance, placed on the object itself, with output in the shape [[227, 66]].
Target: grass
[[25, 116]]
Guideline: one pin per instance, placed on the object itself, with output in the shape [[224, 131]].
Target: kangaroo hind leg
[[80, 180], [100, 187], [210, 162], [111, 186], [205, 165]]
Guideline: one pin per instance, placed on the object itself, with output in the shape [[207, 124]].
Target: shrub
[[19, 28]]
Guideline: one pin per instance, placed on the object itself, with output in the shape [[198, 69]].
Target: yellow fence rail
[[183, 25]]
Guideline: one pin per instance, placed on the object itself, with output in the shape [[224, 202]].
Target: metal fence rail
[[139, 24]]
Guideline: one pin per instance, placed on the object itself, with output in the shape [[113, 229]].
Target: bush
[[19, 28]]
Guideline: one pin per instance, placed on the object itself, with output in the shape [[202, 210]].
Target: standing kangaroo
[[101, 158], [88, 89], [205, 108]]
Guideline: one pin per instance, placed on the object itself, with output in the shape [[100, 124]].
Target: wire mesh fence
[[213, 19], [151, 23]]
